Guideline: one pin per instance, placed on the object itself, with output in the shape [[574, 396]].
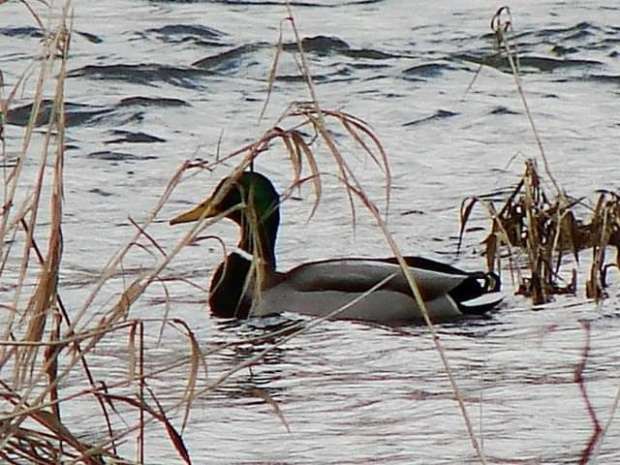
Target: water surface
[[154, 83]]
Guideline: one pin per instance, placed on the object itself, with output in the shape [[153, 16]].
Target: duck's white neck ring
[[244, 253]]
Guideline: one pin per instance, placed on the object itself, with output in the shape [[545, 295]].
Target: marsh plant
[[535, 230]]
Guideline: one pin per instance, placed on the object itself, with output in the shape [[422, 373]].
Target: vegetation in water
[[545, 227]]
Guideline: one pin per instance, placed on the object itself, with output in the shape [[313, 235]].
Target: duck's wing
[[426, 264], [343, 285], [356, 275]]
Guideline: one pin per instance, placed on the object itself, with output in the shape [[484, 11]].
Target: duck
[[248, 284]]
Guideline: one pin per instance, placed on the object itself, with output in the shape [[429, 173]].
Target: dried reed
[[42, 344], [543, 227]]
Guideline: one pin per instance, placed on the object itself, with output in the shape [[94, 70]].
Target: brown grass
[[42, 341], [544, 227]]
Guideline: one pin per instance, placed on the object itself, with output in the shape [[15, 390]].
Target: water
[[350, 393]]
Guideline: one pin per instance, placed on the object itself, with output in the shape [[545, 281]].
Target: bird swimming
[[247, 282]]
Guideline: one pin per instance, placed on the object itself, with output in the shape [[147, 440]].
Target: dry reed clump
[[46, 348], [545, 227]]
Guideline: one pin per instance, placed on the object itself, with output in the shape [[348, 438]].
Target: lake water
[[154, 83]]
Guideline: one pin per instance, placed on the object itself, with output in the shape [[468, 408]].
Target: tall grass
[[43, 343], [544, 228]]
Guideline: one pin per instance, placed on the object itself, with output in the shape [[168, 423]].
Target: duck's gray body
[[377, 290]]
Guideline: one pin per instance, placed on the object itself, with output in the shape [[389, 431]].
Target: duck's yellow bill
[[204, 210]]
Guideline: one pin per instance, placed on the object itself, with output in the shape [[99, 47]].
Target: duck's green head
[[251, 201]]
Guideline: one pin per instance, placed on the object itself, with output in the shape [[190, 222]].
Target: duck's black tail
[[478, 294]]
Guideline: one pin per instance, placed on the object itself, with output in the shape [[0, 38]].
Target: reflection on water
[[179, 80]]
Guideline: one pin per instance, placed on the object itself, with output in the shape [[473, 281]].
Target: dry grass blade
[[34, 14], [305, 67], [580, 380], [46, 290], [467, 206], [271, 80], [302, 147], [295, 152], [356, 128], [197, 359], [605, 429], [143, 407], [264, 395], [175, 437], [502, 28], [51, 362]]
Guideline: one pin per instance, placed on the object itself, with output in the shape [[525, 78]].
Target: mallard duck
[[248, 284]]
